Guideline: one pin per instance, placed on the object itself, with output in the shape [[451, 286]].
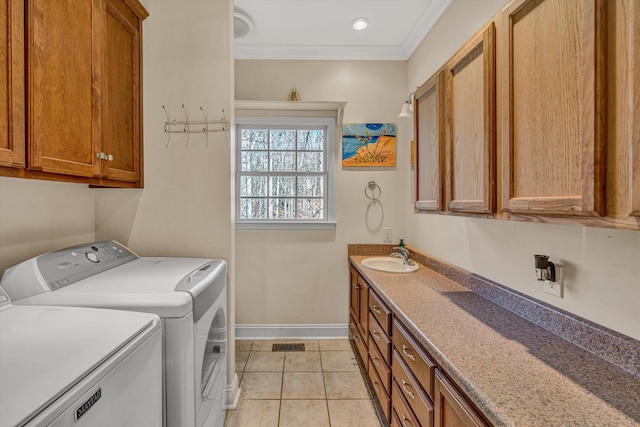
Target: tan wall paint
[[300, 277], [40, 216], [602, 266]]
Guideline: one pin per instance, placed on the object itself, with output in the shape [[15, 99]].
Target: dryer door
[[213, 364]]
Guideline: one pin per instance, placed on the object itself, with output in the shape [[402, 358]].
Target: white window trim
[[329, 223]]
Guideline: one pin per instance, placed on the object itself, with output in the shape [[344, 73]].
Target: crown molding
[[254, 52], [431, 14]]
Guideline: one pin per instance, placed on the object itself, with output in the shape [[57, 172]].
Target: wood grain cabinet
[[12, 151], [430, 136], [471, 115], [451, 408], [553, 120], [84, 97]]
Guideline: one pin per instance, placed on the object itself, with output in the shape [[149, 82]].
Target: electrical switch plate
[[555, 288], [388, 238]]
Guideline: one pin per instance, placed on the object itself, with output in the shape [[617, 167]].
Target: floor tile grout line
[[324, 384]]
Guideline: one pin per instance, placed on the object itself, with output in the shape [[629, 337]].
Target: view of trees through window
[[282, 173]]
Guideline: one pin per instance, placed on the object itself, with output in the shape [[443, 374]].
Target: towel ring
[[372, 187]]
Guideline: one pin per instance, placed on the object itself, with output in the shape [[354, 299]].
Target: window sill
[[284, 225]]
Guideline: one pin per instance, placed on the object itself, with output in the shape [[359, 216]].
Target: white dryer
[[189, 295], [67, 366]]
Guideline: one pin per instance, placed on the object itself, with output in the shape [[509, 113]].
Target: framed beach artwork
[[369, 144]]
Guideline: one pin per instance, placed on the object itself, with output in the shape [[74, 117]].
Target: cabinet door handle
[[409, 355], [109, 157], [355, 337], [355, 286], [406, 420], [376, 361], [376, 309], [406, 390], [376, 335]]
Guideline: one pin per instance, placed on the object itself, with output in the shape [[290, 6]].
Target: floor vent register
[[288, 347]]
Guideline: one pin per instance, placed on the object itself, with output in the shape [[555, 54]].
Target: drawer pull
[[376, 335], [355, 286], [376, 361], [355, 337], [406, 353], [406, 390], [406, 420], [376, 387], [376, 309]]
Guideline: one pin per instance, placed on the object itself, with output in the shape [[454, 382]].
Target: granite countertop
[[515, 372]]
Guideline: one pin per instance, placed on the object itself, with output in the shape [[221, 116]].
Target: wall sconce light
[[407, 107], [545, 269]]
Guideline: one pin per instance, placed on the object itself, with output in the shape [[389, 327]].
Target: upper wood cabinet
[[553, 119], [430, 134], [84, 88], [12, 83], [471, 117], [122, 133], [64, 86], [633, 29]]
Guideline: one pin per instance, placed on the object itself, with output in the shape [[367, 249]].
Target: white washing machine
[[67, 366], [189, 295]]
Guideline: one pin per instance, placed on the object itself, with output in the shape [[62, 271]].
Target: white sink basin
[[388, 264]]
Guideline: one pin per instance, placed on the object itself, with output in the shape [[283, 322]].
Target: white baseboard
[[311, 331], [232, 393]]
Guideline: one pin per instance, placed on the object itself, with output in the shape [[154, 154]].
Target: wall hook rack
[[187, 126]]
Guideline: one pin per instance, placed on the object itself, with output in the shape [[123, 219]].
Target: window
[[284, 172]]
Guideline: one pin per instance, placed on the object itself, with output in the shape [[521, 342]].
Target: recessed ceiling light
[[242, 23], [360, 23]]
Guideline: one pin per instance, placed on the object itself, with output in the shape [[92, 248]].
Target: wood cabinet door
[[635, 102], [64, 86], [12, 83], [122, 92], [430, 135], [354, 306], [451, 408], [471, 114], [554, 107]]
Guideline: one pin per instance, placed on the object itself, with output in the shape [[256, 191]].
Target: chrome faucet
[[403, 253]]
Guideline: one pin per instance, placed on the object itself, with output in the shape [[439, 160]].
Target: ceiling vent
[[242, 24]]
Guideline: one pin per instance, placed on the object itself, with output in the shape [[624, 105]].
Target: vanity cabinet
[[408, 384], [471, 114], [83, 98], [358, 320], [12, 151], [451, 408]]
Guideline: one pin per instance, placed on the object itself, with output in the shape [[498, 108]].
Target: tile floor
[[320, 387]]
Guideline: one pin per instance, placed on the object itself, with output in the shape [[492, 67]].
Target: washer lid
[[146, 284], [45, 351]]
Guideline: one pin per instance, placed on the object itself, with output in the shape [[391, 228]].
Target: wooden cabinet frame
[[590, 200], [483, 44], [12, 94], [429, 109], [451, 408], [635, 122]]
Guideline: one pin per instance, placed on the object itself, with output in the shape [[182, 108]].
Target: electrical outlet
[[388, 238], [555, 288]]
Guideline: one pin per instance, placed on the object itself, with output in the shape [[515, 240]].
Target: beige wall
[[602, 266], [40, 216], [300, 277]]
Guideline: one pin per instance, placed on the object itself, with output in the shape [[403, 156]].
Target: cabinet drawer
[[417, 400], [378, 362], [380, 338], [395, 421], [419, 363], [381, 393], [360, 344], [400, 407], [380, 311]]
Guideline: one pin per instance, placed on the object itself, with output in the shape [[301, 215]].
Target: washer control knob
[[91, 256]]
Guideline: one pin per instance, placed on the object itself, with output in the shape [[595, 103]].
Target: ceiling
[[321, 29]]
